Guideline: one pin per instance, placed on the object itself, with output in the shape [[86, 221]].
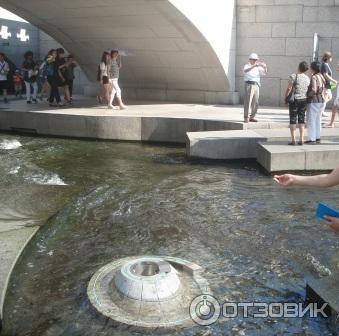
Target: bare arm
[[289, 88], [329, 78], [263, 66], [325, 180]]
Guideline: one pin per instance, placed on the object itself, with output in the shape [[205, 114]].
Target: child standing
[[17, 81]]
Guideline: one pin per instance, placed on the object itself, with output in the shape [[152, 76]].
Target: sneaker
[[310, 142], [292, 143], [28, 102], [253, 120], [61, 104], [34, 101], [53, 105], [318, 140]]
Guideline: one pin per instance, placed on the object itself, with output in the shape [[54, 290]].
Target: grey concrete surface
[[277, 156], [171, 48], [223, 144], [12, 243], [326, 290], [140, 121]]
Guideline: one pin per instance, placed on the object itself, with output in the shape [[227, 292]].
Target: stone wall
[[13, 47], [281, 32]]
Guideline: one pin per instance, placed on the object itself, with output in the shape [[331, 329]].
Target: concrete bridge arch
[[179, 49]]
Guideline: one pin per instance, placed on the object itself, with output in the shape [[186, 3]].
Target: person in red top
[[17, 81]]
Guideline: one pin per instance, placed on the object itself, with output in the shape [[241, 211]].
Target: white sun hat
[[254, 56]]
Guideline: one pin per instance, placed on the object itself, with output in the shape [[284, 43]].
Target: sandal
[[292, 143]]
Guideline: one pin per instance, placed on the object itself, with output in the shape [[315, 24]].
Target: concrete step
[[239, 144], [277, 156], [223, 144]]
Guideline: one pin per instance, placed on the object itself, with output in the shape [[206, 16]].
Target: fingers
[[276, 179], [329, 220]]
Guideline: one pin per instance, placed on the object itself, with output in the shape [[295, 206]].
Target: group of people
[[41, 77], [108, 76], [306, 96]]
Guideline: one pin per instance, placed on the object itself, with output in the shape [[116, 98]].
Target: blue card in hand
[[324, 210]]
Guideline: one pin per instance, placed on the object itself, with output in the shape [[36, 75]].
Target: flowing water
[[99, 201]]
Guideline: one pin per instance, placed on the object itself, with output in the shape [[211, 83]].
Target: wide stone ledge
[[277, 156], [223, 145]]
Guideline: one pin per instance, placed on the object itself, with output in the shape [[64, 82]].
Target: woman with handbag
[[327, 72], [296, 98], [316, 97]]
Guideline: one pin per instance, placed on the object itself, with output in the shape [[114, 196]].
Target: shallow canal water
[[99, 201]]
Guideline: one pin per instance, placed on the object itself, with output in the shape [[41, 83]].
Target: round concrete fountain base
[[147, 291]]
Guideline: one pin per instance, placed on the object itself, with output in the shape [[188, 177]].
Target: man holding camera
[[253, 70]]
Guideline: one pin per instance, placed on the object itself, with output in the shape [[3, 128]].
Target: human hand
[[333, 223], [284, 180]]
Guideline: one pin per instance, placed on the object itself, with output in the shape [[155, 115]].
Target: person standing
[[327, 72], [113, 74], [252, 73], [61, 73], [69, 74], [52, 78], [4, 70], [335, 109], [105, 86], [297, 87], [17, 81], [42, 77], [30, 72], [316, 99]]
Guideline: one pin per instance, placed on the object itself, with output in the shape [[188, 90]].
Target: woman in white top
[[103, 78], [113, 75]]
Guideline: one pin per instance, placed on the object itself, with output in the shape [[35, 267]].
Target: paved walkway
[[89, 106]]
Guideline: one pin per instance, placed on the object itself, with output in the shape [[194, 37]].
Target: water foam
[[10, 144], [53, 179]]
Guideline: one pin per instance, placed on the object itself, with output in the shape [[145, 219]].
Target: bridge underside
[[170, 53]]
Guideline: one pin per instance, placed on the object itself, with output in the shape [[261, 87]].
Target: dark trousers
[[53, 82], [298, 111], [70, 87]]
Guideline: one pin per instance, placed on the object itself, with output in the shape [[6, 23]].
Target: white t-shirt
[[4, 69], [103, 69], [254, 74]]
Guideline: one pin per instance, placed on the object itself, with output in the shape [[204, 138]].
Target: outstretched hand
[[333, 223], [284, 180]]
